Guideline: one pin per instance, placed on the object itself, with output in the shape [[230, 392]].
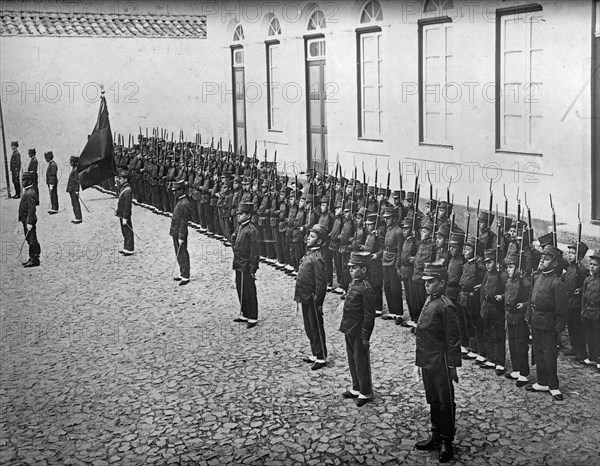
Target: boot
[[432, 443], [446, 451], [33, 262]]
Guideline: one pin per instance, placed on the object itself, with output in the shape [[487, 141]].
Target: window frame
[[268, 46], [360, 33], [500, 14], [422, 23]]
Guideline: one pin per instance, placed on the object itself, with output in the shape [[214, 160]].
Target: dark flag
[[96, 162]]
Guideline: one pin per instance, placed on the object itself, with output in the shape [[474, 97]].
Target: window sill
[[275, 131], [370, 139], [517, 152], [430, 144]]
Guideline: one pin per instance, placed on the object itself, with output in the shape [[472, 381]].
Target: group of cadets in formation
[[500, 283]]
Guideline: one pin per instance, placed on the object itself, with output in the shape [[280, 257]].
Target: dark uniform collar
[[548, 272], [245, 223], [435, 296]]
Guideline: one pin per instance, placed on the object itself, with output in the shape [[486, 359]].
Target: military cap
[[407, 222], [546, 239], [410, 196], [443, 204], [595, 255], [237, 179], [516, 224], [457, 238], [361, 212], [427, 225], [245, 208], [371, 219], [27, 177], [31, 152], [553, 252], [15, 143], [432, 203], [443, 230], [456, 230], [390, 212], [371, 189], [489, 255], [362, 259], [433, 270], [310, 198], [325, 199], [349, 207], [485, 217], [229, 184], [73, 159], [246, 180], [320, 230], [471, 240], [397, 194], [343, 179], [512, 258], [123, 173], [583, 248], [180, 184]]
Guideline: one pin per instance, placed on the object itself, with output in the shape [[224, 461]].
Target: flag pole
[[4, 149]]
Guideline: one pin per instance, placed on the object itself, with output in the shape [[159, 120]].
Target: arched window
[[274, 27], [435, 6], [371, 13], [316, 21], [370, 97], [238, 33]]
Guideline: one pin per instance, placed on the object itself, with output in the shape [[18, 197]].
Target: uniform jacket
[[282, 214], [182, 214], [311, 281], [27, 207], [392, 247], [15, 161], [359, 310], [52, 173], [424, 254], [246, 248], [493, 284], [345, 235], [297, 235], [197, 187], [438, 334], [162, 174], [124, 202], [292, 212], [359, 237], [409, 249], [334, 235], [590, 298], [455, 269], [472, 275], [73, 181], [516, 291], [442, 254], [33, 167], [235, 200], [549, 303], [573, 279]]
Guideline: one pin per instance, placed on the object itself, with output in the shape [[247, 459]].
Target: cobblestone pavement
[[105, 360]]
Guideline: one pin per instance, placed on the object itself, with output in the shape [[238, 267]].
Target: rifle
[[497, 239], [491, 205], [417, 195], [451, 228], [578, 233], [437, 206], [468, 221], [530, 226], [477, 228], [332, 191], [554, 238], [400, 173], [387, 188], [376, 190]]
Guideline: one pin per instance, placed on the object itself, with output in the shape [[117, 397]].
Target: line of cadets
[[489, 275]]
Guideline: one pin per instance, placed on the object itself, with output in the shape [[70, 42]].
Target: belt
[[387, 249], [489, 299]]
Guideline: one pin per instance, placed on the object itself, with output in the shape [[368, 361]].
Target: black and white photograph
[[277, 232]]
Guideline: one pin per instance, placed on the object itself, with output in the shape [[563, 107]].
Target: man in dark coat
[[15, 168], [29, 220], [33, 169], [311, 286], [52, 181], [182, 214], [73, 189], [124, 212], [246, 253], [437, 357]]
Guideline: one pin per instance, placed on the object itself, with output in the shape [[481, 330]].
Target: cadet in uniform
[[52, 181], [437, 357], [28, 218], [182, 214], [357, 324], [33, 169], [547, 316], [15, 168], [590, 312], [573, 278], [390, 259], [246, 253], [311, 287], [124, 213], [73, 189]]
